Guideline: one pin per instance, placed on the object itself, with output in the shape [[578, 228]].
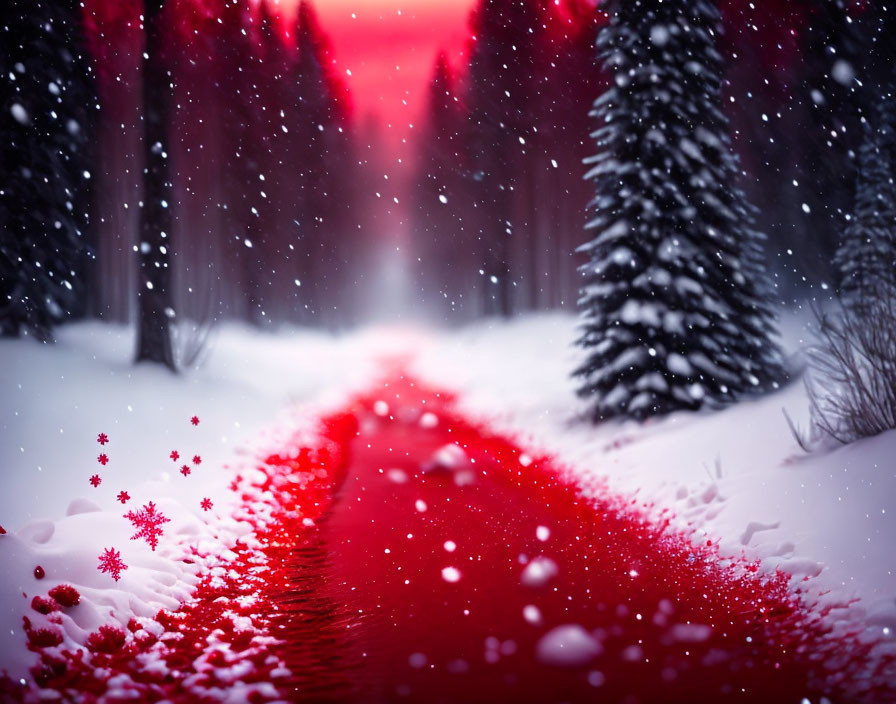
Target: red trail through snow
[[413, 555], [448, 557]]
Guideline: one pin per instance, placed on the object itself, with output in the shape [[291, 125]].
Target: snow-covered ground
[[738, 474], [252, 393]]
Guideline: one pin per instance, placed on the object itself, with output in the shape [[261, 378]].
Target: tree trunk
[[154, 274]]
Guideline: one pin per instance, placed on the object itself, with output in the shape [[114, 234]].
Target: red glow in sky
[[385, 50]]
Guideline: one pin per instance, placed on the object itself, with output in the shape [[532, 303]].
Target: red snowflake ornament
[[206, 504], [197, 459], [185, 470], [102, 438], [95, 480], [195, 420], [103, 459], [148, 522], [175, 455], [110, 563], [124, 497]]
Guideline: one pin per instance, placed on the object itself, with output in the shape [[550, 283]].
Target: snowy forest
[[618, 276]]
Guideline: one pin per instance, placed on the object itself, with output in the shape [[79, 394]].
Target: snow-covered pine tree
[[675, 299], [45, 166], [866, 259]]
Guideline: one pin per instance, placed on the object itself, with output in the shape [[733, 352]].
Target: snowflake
[[124, 496], [148, 523], [175, 455], [206, 504], [103, 459], [102, 438], [110, 562], [185, 470], [197, 459], [95, 480], [195, 420]]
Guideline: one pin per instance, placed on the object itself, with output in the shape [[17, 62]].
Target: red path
[[390, 568], [670, 623]]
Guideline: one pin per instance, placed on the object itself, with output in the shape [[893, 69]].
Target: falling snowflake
[[103, 459], [124, 497], [102, 438], [195, 420], [95, 480], [206, 504], [185, 470], [175, 455], [110, 563], [148, 522], [197, 459]]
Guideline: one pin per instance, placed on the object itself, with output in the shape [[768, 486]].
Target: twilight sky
[[389, 47]]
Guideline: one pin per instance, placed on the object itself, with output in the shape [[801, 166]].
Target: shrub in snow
[[675, 301], [852, 375], [852, 372]]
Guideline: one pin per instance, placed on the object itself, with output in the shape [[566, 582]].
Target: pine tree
[[827, 138], [501, 92], [675, 299], [155, 310], [447, 256], [45, 166], [237, 84], [866, 259], [320, 155]]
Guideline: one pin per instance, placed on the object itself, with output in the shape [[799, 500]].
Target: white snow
[[736, 475], [254, 392], [19, 113], [539, 571], [569, 645], [532, 614], [448, 457], [451, 574]]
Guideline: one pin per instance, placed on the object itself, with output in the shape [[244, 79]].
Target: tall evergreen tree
[[442, 236], [866, 259], [501, 91], [154, 307], [674, 302], [46, 166], [321, 160], [828, 134]]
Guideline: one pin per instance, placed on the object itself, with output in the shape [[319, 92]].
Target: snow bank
[[254, 393], [736, 476]]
